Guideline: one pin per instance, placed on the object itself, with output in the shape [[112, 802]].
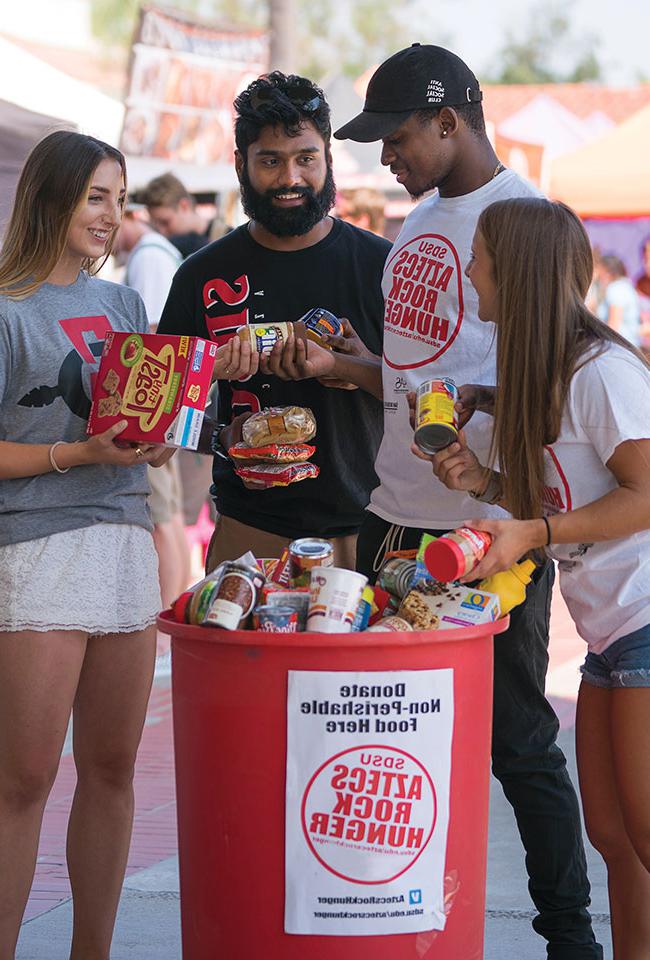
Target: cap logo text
[[435, 91]]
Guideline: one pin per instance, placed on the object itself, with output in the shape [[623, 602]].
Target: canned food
[[297, 599], [235, 597], [275, 619], [202, 596], [320, 322], [264, 336], [305, 554], [436, 419], [396, 576]]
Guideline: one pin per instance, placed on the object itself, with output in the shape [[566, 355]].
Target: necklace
[[497, 170]]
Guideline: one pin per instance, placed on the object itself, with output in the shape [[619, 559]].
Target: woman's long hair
[[53, 183], [543, 267]]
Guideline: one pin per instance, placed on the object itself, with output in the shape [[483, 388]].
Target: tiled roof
[[501, 101]]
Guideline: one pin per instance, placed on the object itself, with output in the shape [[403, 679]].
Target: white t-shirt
[[150, 270], [606, 585], [621, 293], [432, 330]]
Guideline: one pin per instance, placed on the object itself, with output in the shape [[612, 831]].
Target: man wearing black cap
[[424, 104]]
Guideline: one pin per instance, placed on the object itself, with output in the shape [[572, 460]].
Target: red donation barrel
[[332, 792]]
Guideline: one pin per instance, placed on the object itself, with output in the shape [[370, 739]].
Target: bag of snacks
[[265, 475], [273, 452], [279, 425]]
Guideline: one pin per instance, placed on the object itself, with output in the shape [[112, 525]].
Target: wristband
[[548, 531], [53, 462], [215, 444]]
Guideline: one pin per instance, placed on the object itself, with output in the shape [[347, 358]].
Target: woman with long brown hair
[[572, 440], [78, 571]]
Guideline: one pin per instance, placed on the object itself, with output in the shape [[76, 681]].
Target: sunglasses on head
[[299, 94]]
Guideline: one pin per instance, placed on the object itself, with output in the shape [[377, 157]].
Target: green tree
[[543, 53], [114, 21], [328, 35]]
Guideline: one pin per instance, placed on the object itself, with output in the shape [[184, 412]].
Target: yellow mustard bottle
[[510, 585]]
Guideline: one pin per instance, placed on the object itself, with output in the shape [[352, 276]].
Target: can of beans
[[235, 597], [436, 419], [273, 618], [396, 576], [305, 554]]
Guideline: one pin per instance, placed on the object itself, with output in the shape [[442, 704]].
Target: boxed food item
[[442, 606], [158, 384]]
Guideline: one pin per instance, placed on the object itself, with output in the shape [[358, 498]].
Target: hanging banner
[[367, 801], [183, 78]]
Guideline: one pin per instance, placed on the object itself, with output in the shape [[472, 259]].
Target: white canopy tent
[[34, 85]]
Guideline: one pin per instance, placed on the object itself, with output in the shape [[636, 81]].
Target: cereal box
[[158, 384]]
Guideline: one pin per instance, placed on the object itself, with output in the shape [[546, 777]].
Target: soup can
[[436, 419], [304, 555]]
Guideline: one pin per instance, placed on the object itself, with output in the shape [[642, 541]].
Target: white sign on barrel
[[367, 803]]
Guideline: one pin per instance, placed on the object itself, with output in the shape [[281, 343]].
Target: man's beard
[[293, 221]]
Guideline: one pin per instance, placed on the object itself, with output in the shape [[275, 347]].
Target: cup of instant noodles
[[334, 598]]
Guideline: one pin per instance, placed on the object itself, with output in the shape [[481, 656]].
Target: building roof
[[501, 101]]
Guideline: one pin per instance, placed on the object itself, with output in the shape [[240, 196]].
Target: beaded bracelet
[[55, 465]]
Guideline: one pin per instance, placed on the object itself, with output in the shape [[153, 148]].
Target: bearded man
[[289, 257]]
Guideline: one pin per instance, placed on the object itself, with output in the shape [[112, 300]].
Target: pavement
[[148, 924]]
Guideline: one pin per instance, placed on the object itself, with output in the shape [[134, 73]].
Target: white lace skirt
[[99, 579]]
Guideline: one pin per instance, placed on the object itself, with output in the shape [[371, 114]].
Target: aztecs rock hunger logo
[[424, 306], [368, 813], [556, 496]]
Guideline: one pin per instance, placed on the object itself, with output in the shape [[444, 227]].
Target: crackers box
[[158, 384]]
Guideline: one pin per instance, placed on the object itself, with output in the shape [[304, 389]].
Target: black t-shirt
[[234, 281], [189, 243]]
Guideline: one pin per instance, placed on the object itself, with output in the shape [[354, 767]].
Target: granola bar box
[[158, 384]]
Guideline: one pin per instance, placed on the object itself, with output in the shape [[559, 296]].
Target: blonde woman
[[78, 571], [572, 439]]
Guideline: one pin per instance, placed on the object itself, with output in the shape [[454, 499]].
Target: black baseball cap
[[418, 77]]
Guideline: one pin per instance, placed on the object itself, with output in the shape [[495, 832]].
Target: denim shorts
[[626, 663]]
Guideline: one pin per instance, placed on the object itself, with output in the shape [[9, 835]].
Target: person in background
[[642, 287], [364, 208], [290, 257], [173, 213], [151, 262], [78, 570], [619, 307], [576, 480], [643, 280], [596, 290], [172, 210]]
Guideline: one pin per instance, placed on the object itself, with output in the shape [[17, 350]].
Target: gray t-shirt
[[50, 345]]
